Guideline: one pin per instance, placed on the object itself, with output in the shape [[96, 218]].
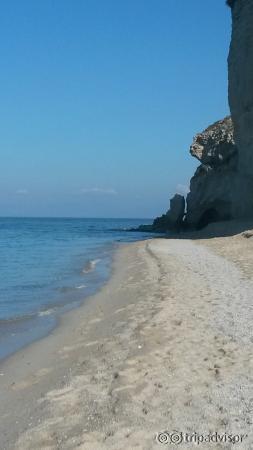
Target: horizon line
[[75, 217]]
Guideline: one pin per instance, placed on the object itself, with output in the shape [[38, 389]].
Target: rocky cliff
[[240, 74], [222, 186], [172, 220]]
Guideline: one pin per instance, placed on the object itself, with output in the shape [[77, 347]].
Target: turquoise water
[[48, 266]]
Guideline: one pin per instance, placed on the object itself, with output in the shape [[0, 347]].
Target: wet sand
[[165, 345]]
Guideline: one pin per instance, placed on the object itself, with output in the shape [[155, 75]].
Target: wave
[[20, 318], [90, 265], [46, 312], [25, 317]]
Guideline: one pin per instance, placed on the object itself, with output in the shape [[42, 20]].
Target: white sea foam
[[90, 265], [47, 312]]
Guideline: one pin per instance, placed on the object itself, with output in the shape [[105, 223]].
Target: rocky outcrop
[[216, 187], [211, 188], [215, 146], [177, 210], [172, 220]]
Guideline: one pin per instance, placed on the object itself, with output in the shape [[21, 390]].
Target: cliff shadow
[[224, 228]]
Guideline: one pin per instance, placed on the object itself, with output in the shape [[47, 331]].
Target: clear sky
[[100, 100]]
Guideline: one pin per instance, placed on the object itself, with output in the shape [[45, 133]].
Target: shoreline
[[163, 345], [49, 318], [31, 358], [62, 262]]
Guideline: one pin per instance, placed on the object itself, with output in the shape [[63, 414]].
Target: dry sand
[[166, 345]]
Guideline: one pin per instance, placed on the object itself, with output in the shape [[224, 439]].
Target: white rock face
[[240, 72]]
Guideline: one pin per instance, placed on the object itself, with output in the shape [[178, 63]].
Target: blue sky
[[100, 100]]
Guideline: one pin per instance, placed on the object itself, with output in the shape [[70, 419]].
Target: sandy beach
[[126, 225], [165, 345]]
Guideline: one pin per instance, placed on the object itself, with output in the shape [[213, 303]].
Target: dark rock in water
[[145, 228], [158, 226], [161, 224]]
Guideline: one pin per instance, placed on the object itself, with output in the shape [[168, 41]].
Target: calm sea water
[[48, 266]]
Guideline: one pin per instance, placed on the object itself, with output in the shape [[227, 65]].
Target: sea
[[51, 265]]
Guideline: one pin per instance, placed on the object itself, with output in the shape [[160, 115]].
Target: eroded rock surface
[[216, 145], [213, 185]]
